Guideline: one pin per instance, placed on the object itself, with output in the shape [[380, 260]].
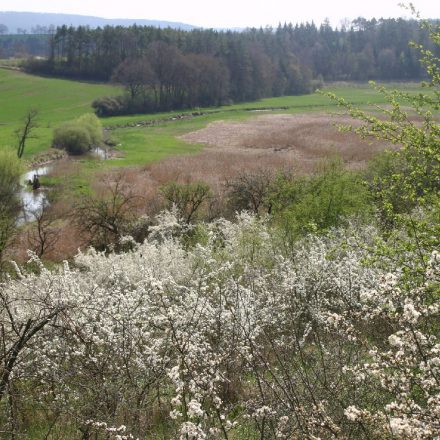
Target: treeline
[[169, 68], [180, 68], [376, 49], [21, 46], [364, 50], [165, 78]]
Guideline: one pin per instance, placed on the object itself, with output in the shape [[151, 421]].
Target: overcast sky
[[228, 13]]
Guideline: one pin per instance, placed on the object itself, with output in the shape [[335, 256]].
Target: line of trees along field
[[23, 45], [169, 68]]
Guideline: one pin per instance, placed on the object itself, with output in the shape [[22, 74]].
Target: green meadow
[[59, 100], [142, 144]]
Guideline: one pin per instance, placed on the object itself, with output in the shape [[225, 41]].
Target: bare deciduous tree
[[188, 198], [25, 131], [249, 190], [136, 75], [105, 218], [44, 235]]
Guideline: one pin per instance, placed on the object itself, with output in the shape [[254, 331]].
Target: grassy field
[[361, 94], [143, 144], [57, 100], [60, 100], [157, 148]]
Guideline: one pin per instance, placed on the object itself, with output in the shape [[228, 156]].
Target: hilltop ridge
[[17, 22]]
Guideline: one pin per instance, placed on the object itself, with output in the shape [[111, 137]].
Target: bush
[[79, 136], [249, 190], [105, 219], [109, 106], [187, 198], [72, 137], [93, 126], [123, 105], [248, 339], [10, 171], [319, 202]]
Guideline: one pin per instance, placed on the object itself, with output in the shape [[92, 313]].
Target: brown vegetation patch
[[271, 142], [298, 140], [295, 143]]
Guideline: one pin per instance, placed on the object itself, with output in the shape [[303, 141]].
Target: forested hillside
[[365, 49], [45, 23], [178, 69]]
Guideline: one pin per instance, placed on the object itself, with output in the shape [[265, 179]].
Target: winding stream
[[31, 200]]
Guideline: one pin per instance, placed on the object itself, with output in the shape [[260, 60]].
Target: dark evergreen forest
[[165, 69]]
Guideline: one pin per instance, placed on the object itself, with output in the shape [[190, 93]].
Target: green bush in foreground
[[10, 171], [79, 136], [93, 126], [317, 203]]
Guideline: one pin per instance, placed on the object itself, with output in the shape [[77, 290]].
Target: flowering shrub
[[226, 339], [222, 330]]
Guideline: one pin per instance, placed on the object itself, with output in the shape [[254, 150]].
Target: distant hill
[[32, 22]]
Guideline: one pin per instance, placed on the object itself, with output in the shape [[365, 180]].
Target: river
[[32, 201]]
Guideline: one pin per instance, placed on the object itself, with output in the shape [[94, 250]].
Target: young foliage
[[408, 121], [404, 182], [10, 171], [317, 203], [79, 136]]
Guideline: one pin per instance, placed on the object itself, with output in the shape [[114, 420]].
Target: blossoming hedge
[[229, 338]]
